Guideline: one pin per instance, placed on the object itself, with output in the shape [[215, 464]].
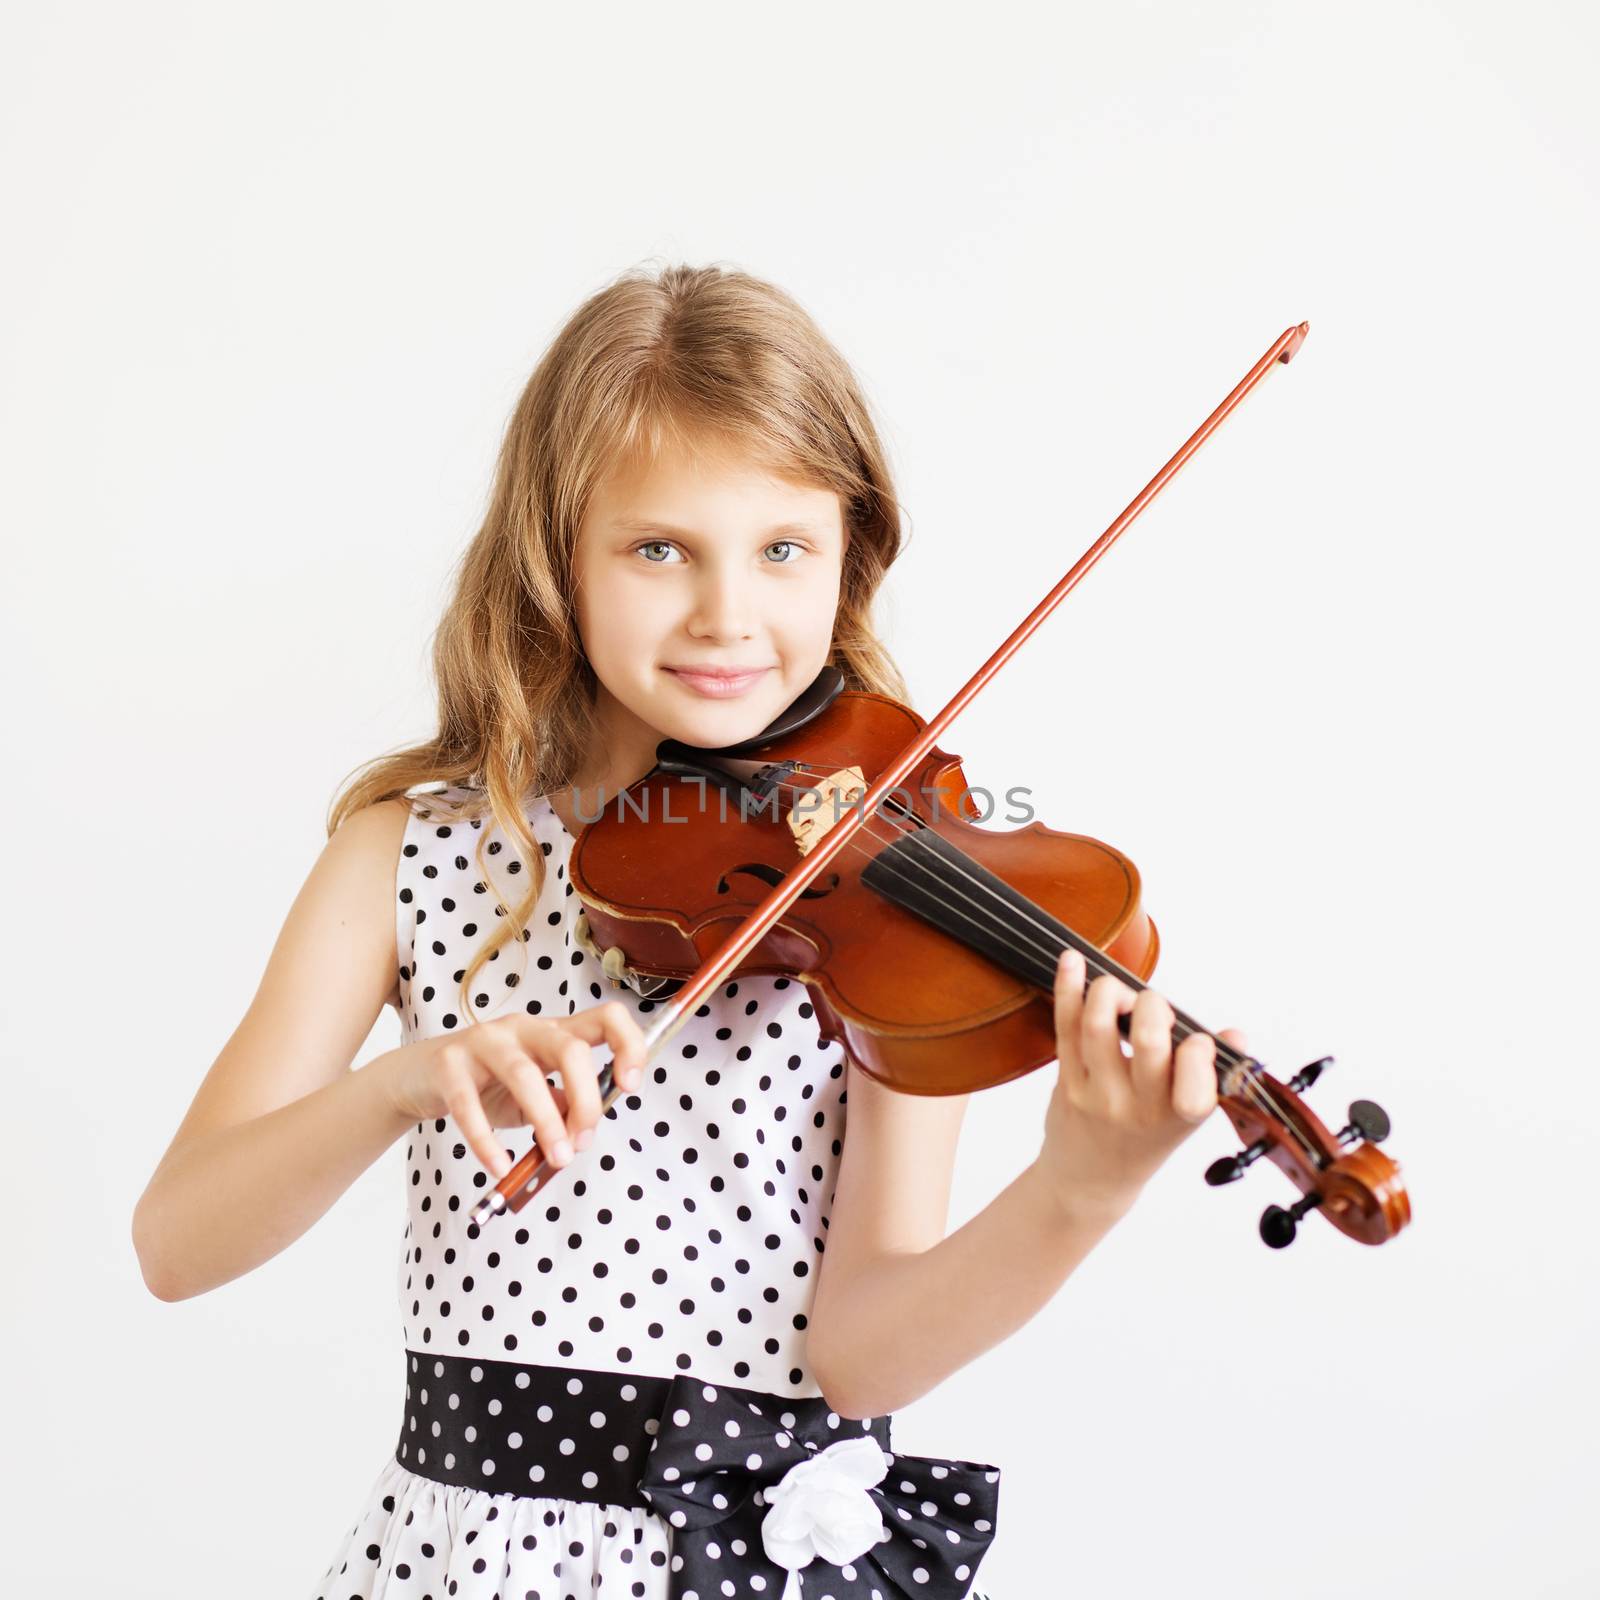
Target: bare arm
[[898, 1306], [887, 1327], [281, 1126]]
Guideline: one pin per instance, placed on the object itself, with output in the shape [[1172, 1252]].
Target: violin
[[840, 847]]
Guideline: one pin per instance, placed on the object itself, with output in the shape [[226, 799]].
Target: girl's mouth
[[715, 687]]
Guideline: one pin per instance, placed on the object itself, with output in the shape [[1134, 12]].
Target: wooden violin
[[839, 847]]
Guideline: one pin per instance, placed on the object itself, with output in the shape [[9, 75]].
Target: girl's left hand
[[1113, 1120]]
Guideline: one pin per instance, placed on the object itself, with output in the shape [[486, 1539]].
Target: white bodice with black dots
[[688, 1237]]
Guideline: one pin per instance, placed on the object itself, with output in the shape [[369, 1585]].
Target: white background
[[274, 277]]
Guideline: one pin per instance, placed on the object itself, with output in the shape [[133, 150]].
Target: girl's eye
[[666, 544]]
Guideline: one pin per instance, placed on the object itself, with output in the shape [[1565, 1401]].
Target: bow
[[758, 1488]]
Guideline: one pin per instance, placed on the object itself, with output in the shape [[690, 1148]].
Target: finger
[[614, 1025], [461, 1100], [1233, 1041], [521, 1069], [558, 1095], [1108, 998], [549, 1120], [1068, 1010], [578, 1078], [624, 1036], [1150, 1035], [1194, 1078]]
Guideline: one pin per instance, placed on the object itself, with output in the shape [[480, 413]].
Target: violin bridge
[[833, 794]]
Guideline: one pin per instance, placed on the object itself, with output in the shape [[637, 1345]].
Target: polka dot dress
[[684, 1242]]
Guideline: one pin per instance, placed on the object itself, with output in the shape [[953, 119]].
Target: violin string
[[1094, 959], [1253, 1088]]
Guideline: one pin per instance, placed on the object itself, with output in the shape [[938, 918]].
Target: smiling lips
[[718, 684]]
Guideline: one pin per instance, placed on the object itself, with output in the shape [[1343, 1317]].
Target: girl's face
[[701, 561]]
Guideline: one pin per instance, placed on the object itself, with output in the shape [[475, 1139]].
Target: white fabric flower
[[820, 1507]]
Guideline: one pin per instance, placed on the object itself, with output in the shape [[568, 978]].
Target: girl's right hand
[[492, 1075]]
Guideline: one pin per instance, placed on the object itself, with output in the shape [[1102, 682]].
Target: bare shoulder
[[371, 836], [332, 969], [354, 879], [356, 871], [892, 1193]]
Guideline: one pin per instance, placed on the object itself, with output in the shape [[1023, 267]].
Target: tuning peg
[[1227, 1168], [1368, 1120], [1278, 1225], [1308, 1074]]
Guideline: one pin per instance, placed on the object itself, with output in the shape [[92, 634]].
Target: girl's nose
[[723, 608]]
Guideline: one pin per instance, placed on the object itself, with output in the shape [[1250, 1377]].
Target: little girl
[[672, 1376]]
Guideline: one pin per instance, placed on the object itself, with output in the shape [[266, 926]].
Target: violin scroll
[[1343, 1175]]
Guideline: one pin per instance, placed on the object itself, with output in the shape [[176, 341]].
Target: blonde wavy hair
[[679, 355]]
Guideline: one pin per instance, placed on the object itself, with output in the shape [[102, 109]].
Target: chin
[[731, 727], [712, 722]]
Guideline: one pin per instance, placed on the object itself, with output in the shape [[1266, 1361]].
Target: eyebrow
[[644, 525]]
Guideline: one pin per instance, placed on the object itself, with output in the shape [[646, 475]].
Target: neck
[[621, 751]]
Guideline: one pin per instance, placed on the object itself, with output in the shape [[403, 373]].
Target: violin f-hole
[[771, 876]]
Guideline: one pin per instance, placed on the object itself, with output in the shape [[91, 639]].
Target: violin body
[[671, 869]]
